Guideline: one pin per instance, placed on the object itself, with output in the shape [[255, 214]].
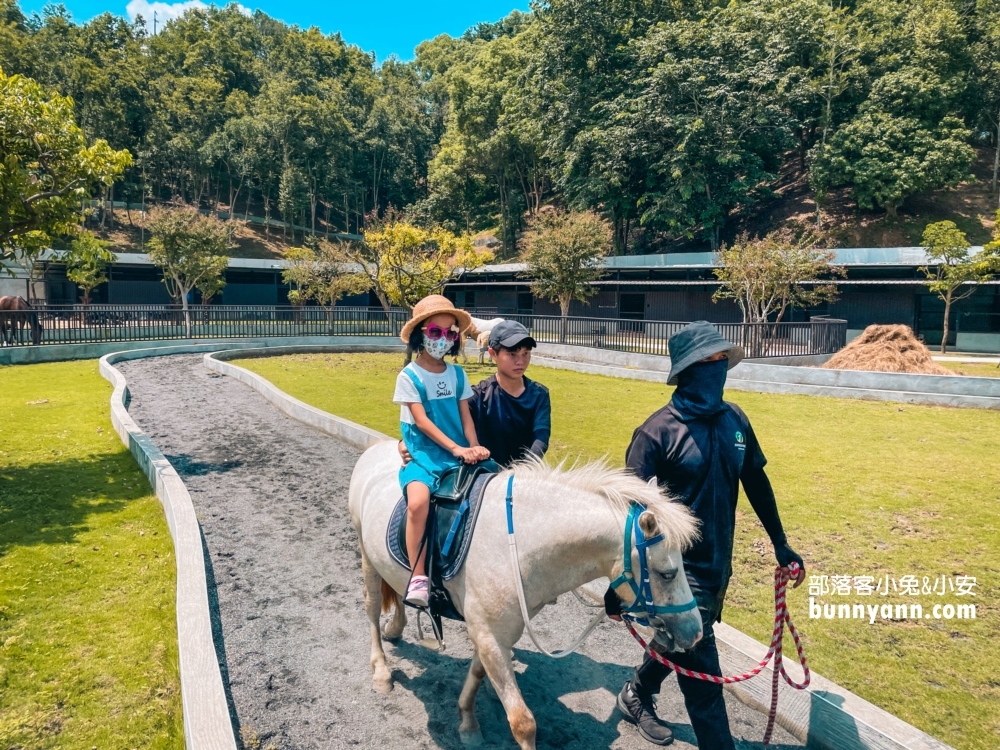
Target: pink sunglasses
[[434, 332]]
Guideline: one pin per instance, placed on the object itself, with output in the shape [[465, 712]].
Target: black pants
[[704, 701]]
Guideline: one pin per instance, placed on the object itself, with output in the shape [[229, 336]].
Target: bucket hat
[[430, 306], [694, 343]]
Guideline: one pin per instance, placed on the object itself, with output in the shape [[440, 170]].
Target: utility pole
[[154, 23]]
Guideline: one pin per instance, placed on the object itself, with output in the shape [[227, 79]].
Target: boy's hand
[[403, 453]]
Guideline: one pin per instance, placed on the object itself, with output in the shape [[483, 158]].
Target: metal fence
[[72, 324], [818, 336]]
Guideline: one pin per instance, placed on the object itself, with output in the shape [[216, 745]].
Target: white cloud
[[166, 11]]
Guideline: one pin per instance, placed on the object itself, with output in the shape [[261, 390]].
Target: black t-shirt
[[511, 427], [700, 463]]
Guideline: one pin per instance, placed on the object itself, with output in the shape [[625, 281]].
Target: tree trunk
[[890, 209], [187, 314], [564, 303], [947, 316]]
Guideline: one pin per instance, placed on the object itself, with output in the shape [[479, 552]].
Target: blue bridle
[[643, 604]]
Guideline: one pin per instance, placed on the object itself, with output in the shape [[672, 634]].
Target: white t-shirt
[[437, 385]]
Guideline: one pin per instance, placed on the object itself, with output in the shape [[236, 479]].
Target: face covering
[[699, 389], [438, 348]]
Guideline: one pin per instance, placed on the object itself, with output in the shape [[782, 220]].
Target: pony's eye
[[668, 575]]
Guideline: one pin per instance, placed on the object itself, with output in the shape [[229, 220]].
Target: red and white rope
[[781, 578]]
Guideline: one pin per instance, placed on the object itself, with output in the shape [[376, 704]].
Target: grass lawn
[[988, 370], [865, 488], [88, 637]]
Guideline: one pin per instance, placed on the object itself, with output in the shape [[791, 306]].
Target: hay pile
[[887, 349]]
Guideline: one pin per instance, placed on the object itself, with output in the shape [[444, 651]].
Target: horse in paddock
[[16, 315], [570, 529], [479, 332]]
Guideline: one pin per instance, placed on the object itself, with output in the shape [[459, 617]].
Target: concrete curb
[[23, 355], [824, 716], [207, 724], [354, 434], [936, 390]]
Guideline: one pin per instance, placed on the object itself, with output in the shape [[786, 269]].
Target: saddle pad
[[451, 518]]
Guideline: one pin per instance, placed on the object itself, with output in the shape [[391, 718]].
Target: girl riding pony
[[435, 419]]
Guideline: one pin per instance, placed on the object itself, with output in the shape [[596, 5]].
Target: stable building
[[883, 285]]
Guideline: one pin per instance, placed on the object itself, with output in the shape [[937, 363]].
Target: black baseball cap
[[511, 335]]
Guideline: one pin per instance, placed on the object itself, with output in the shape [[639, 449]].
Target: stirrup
[[437, 642]]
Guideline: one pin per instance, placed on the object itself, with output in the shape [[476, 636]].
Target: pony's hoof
[[392, 634], [382, 687], [471, 739]]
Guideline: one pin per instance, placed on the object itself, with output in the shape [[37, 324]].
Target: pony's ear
[[647, 522]]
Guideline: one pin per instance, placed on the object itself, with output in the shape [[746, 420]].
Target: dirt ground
[[285, 584]]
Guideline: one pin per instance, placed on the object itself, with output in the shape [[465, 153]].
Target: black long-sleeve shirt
[[511, 428], [701, 463]]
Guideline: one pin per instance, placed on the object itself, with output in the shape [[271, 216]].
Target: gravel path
[[271, 496]]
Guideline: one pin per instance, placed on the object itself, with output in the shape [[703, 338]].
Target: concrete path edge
[[207, 723], [824, 716]]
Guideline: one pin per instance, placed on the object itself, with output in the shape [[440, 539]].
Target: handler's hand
[[403, 453], [785, 556]]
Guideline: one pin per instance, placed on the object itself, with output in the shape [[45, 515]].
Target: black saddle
[[450, 522]]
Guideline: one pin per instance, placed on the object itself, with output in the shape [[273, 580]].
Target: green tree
[[562, 252], [87, 262], [887, 156], [190, 250], [321, 275], [953, 274], [765, 276], [46, 167]]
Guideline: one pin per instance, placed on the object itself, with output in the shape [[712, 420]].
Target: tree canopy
[[46, 166], [672, 121]]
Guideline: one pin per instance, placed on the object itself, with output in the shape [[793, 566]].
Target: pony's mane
[[619, 488]]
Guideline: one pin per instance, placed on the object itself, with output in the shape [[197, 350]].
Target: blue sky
[[382, 26]]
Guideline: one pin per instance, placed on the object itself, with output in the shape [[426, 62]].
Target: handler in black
[[513, 415], [700, 448]]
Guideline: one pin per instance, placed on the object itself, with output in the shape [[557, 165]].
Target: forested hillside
[[682, 123]]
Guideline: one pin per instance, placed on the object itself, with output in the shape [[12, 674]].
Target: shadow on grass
[[48, 503], [543, 682]]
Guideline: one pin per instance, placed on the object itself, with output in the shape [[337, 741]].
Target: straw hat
[[430, 306]]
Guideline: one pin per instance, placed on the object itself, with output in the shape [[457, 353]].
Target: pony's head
[[679, 627]]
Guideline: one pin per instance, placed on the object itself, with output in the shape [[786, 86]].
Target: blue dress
[[430, 460]]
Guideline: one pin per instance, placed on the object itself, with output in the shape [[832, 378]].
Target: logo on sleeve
[[739, 441]]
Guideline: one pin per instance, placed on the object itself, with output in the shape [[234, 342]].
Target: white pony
[[480, 331], [569, 526]]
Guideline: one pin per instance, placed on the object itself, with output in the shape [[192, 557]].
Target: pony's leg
[[393, 629], [381, 677], [496, 660], [468, 730]]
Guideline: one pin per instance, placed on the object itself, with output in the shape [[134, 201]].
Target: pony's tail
[[390, 598]]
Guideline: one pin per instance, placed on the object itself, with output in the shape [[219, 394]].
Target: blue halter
[[643, 603]]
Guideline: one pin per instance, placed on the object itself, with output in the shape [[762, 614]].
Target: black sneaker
[[642, 713]]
